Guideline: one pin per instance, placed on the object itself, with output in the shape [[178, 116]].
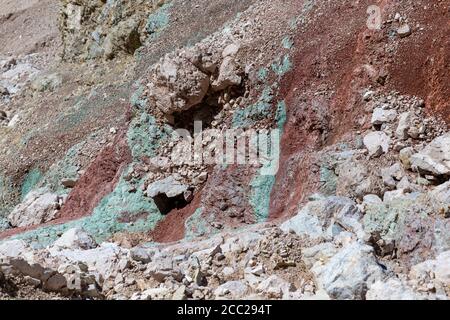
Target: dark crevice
[[166, 204]]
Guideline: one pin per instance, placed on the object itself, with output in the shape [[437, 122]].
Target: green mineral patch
[[260, 110], [136, 98], [328, 181], [262, 74], [260, 195], [158, 20], [282, 65], [145, 136], [281, 114], [196, 225], [30, 181], [287, 42], [66, 168], [106, 219]]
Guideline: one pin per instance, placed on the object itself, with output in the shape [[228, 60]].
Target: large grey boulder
[[435, 157], [176, 84], [349, 273], [392, 289], [75, 238], [325, 218], [38, 207], [381, 116], [169, 186]]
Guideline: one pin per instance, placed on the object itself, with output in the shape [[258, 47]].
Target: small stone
[[381, 116], [404, 31], [69, 183]]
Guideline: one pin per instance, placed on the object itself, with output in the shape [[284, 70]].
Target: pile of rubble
[[323, 252]]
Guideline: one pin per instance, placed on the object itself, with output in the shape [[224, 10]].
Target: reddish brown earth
[[99, 179], [171, 228], [337, 52]]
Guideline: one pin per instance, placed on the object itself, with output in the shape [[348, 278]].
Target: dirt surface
[[29, 26]]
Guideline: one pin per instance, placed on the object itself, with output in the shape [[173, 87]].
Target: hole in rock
[[208, 109], [203, 112], [166, 204]]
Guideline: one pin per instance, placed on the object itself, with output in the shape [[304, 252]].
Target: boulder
[[392, 175], [404, 30], [326, 218], [176, 85], [169, 186], [381, 116], [228, 75], [349, 273], [275, 287], [39, 206], [141, 255], [233, 289], [439, 266], [404, 124], [124, 37], [442, 193], [392, 289], [377, 143], [75, 238], [434, 158]]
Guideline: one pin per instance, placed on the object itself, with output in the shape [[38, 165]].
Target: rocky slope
[[355, 205]]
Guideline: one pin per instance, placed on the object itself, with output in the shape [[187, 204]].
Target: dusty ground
[[29, 26]]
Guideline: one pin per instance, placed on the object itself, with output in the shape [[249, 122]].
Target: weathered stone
[[140, 255], [404, 123], [392, 289], [124, 37], [434, 158], [275, 287], [381, 116], [177, 85], [231, 50], [391, 175], [180, 293], [348, 274], [325, 218], [440, 267], [377, 143], [404, 31], [38, 207], [75, 238], [169, 186], [228, 75], [405, 157], [235, 289]]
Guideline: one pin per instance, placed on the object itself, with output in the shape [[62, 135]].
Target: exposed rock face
[[325, 218], [38, 207], [95, 29], [360, 205]]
